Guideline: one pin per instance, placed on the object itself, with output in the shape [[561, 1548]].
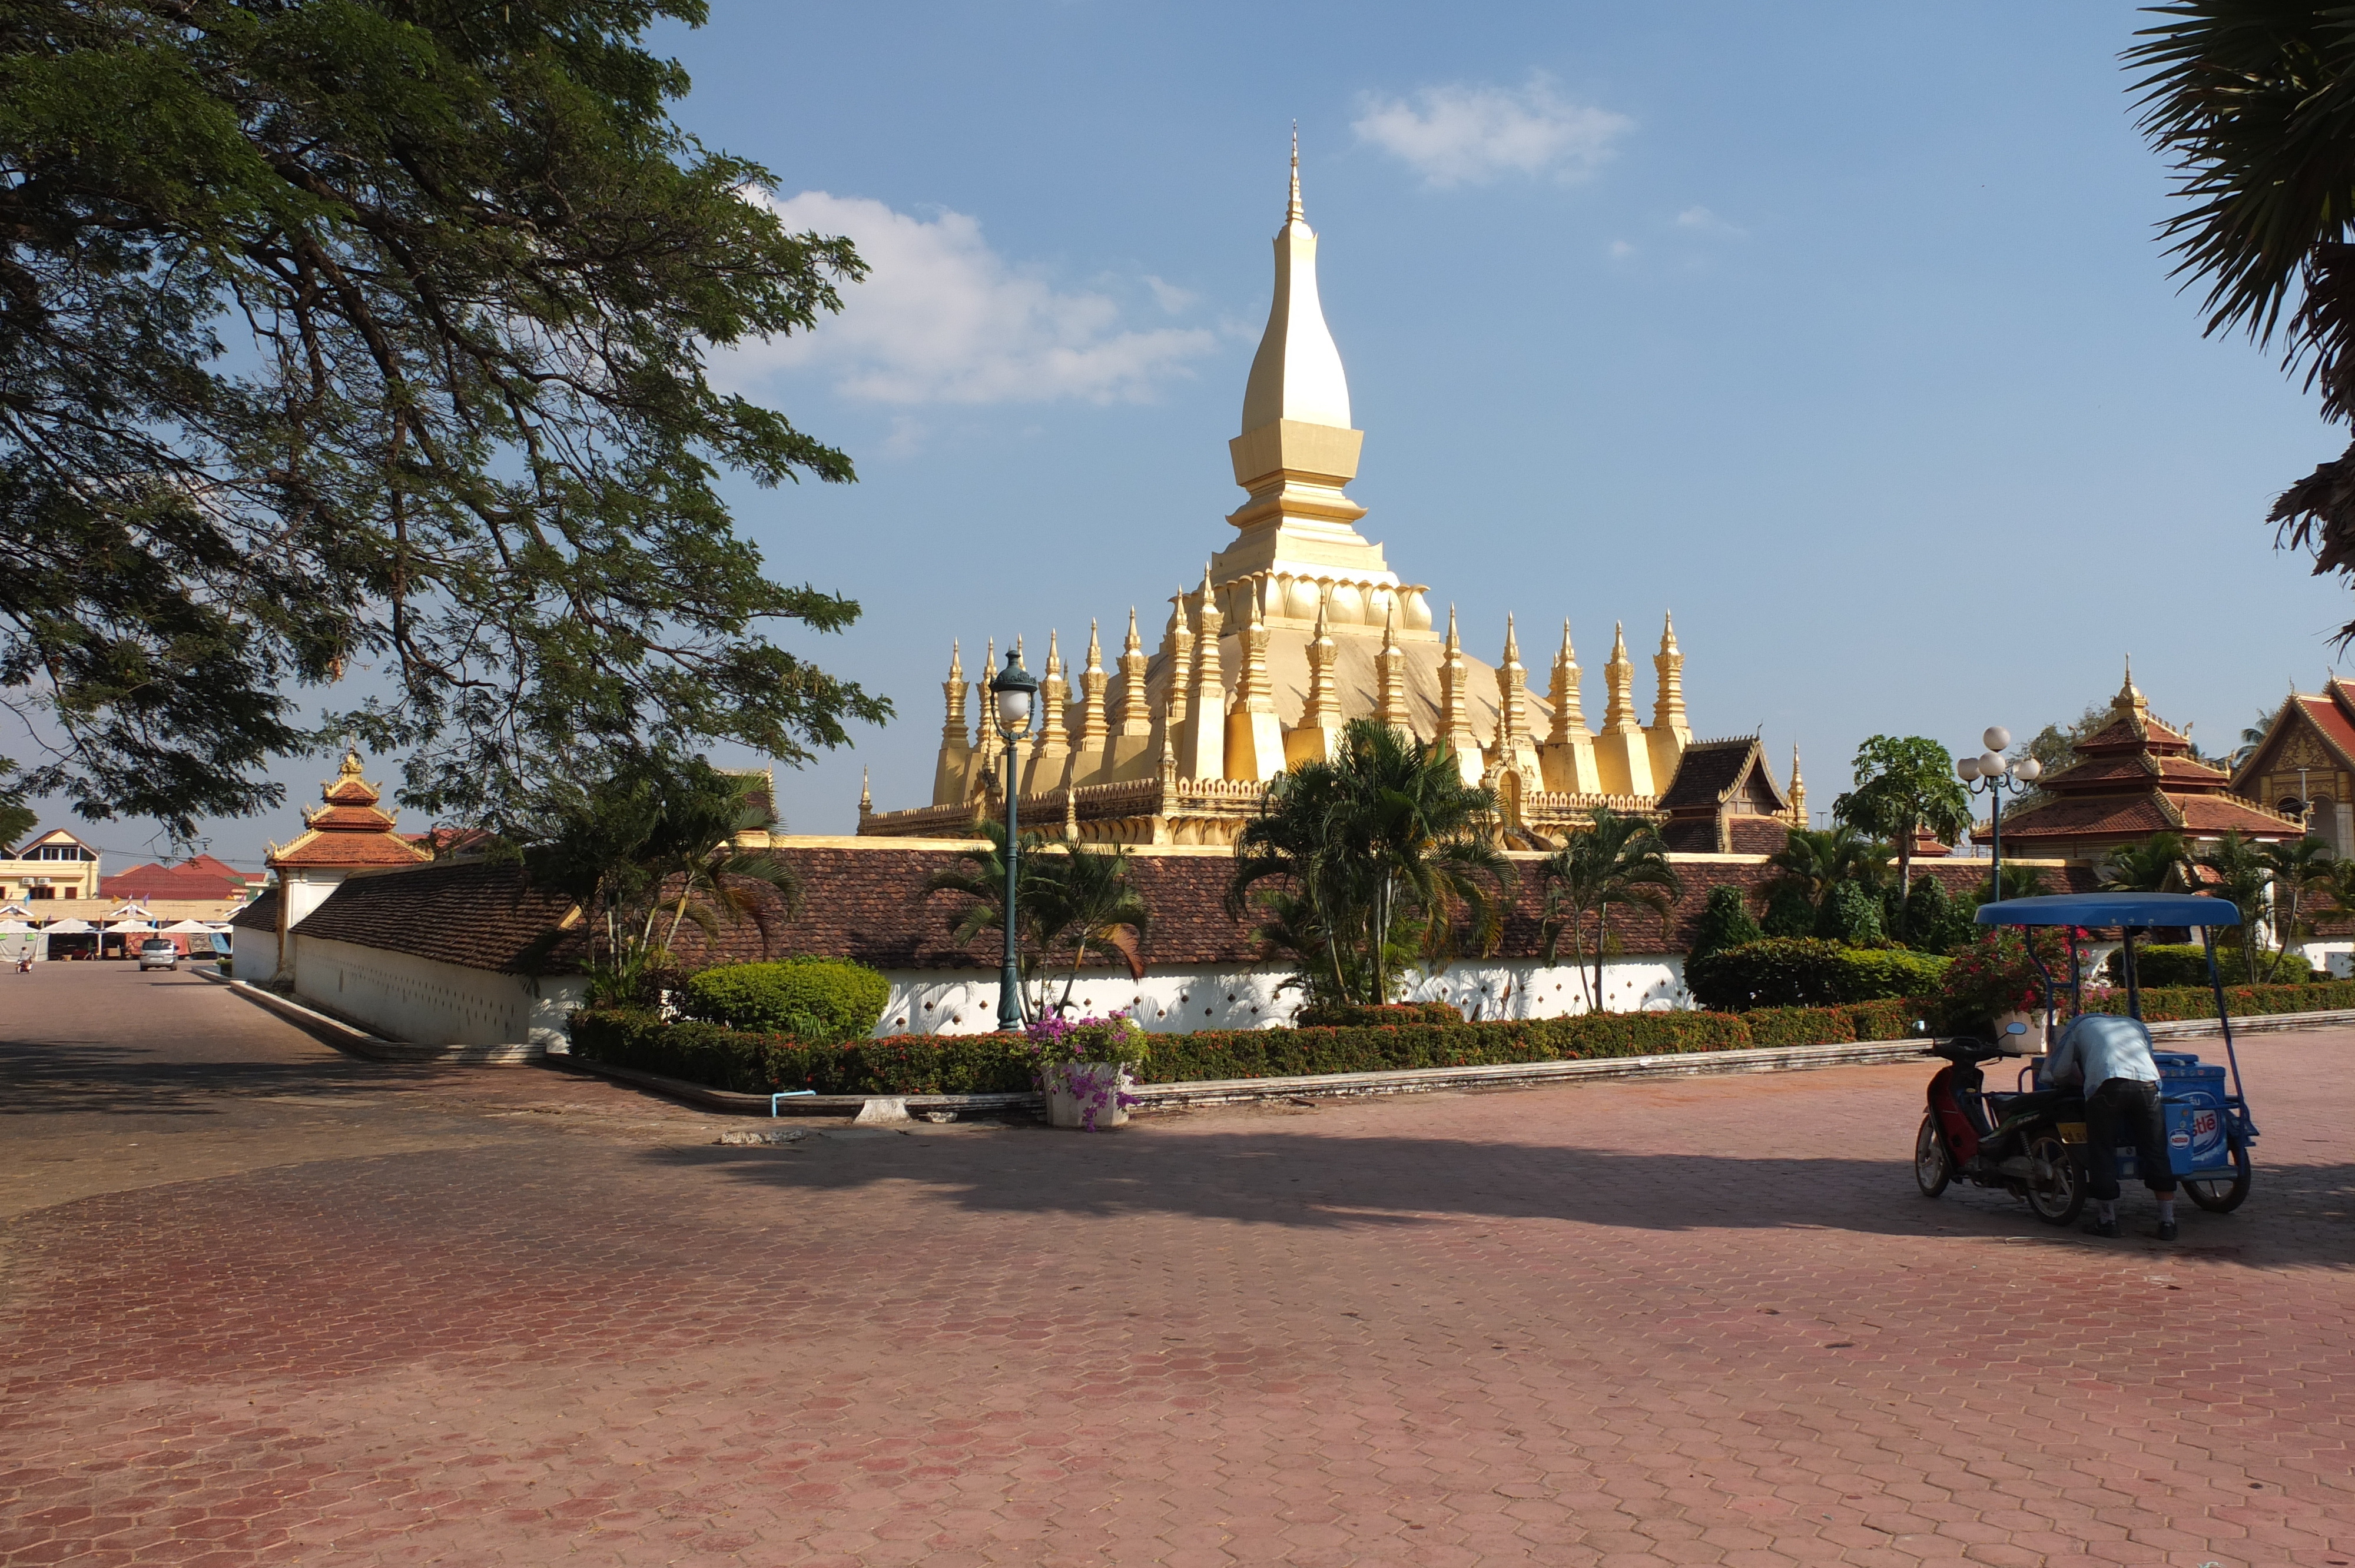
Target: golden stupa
[[1296, 626]]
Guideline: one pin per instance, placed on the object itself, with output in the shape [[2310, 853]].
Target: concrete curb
[[854, 1108], [354, 1041], [2257, 1024], [1425, 1080]]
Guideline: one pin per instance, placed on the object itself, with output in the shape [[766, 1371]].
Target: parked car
[[159, 953]]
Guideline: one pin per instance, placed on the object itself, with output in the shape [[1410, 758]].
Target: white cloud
[[1621, 250], [1703, 221], [943, 318], [1169, 296], [1457, 134]]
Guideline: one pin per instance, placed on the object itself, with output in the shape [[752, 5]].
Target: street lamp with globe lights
[[1989, 774], [1014, 688]]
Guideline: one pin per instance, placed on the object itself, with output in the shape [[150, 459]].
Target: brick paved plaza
[[262, 1304]]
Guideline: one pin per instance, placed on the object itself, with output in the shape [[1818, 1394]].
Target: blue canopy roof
[[2111, 909]]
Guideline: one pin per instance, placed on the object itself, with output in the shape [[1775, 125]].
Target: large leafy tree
[[2254, 100], [2299, 869], [1903, 784], [367, 338], [1615, 862], [1383, 841]]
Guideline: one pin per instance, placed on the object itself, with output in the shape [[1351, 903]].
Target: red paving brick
[[263, 1305]]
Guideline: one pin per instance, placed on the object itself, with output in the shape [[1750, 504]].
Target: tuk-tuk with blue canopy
[[2032, 1142]]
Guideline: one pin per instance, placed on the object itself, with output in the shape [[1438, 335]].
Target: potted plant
[[1993, 983], [1085, 1067]]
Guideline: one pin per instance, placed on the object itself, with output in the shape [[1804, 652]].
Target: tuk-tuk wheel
[[1931, 1169], [2060, 1200], [2223, 1197]]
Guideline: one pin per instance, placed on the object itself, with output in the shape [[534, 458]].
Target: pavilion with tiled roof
[[1724, 801], [2305, 766], [347, 834], [2133, 777]]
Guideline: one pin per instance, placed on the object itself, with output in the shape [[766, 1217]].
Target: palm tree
[[2241, 876], [1085, 899], [1815, 861], [2250, 97], [981, 877], [2297, 869], [2158, 863], [1384, 838], [1615, 862], [2251, 738]]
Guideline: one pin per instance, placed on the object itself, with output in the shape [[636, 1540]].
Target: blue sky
[[1841, 331]]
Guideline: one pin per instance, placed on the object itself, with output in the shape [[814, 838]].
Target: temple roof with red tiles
[[2329, 719], [2136, 776], [348, 830]]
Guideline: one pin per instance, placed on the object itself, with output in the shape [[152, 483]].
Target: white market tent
[[13, 928], [71, 928], [189, 926]]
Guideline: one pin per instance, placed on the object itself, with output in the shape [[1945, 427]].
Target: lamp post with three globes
[[1013, 687], [1990, 775]]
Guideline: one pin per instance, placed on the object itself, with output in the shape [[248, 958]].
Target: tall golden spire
[[1135, 712], [1512, 691], [1324, 708], [1799, 790], [1292, 214], [1050, 750], [951, 772], [1177, 643], [1669, 710], [1455, 702], [1390, 665], [988, 746], [1619, 675], [1202, 750], [955, 729], [1569, 720], [1096, 727], [1255, 738]]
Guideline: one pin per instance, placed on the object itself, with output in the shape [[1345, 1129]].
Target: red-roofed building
[[2133, 777], [347, 834], [2305, 766]]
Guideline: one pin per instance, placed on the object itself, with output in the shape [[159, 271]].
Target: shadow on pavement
[[39, 1077], [1298, 1178]]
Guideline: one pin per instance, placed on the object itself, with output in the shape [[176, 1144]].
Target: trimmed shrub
[[1851, 913], [1344, 1015], [819, 1000], [1790, 914], [1805, 972], [1725, 922], [1935, 922], [2164, 964], [757, 1063], [1799, 1025], [1893, 1018]]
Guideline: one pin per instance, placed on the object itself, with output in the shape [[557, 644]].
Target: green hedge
[[1300, 1053], [817, 999], [1799, 971], [1891, 1020], [2167, 1004], [1342, 1015], [755, 1063]]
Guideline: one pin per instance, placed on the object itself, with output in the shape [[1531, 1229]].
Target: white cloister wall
[[1177, 998], [400, 996]]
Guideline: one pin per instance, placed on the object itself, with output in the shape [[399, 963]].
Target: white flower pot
[[1073, 1088], [2031, 1044]]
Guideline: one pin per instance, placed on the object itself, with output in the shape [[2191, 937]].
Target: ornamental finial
[[1293, 213]]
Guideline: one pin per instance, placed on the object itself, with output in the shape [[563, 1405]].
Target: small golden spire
[[1392, 664], [1668, 708], [1293, 214], [1512, 693], [1619, 675], [1135, 712], [1070, 816], [1455, 705], [866, 795], [1324, 707], [1095, 728]]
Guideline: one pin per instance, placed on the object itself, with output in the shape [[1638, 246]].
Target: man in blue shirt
[[2111, 1057]]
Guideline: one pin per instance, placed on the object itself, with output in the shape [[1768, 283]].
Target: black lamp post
[[1989, 774], [1013, 688]]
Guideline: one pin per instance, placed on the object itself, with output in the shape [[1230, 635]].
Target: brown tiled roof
[[262, 915], [1758, 835], [171, 882], [481, 915], [1708, 772]]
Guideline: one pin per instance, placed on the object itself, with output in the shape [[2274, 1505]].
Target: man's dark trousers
[[2122, 1112]]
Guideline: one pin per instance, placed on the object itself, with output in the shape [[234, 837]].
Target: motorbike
[[2024, 1142]]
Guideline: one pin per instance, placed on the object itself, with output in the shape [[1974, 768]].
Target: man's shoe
[[2106, 1229], [2166, 1231]]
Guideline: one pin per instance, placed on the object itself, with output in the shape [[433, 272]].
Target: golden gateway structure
[[1296, 626]]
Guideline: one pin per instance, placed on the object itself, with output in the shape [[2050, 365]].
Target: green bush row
[[1898, 1018], [1301, 1053], [2166, 1004], [756, 1062], [817, 999], [1806, 971]]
